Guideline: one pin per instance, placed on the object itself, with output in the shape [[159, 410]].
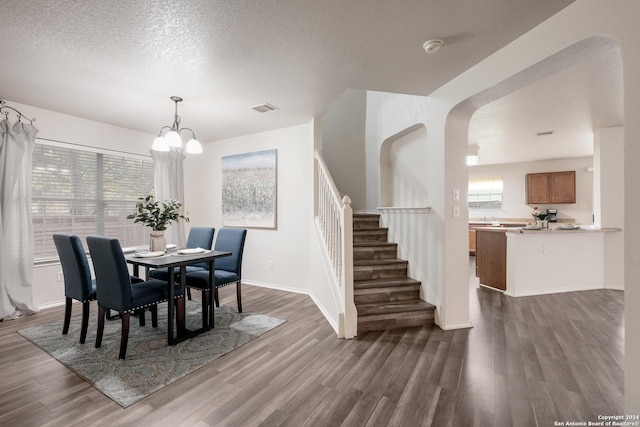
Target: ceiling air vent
[[264, 108]]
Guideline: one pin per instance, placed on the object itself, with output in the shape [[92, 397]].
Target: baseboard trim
[[463, 325], [324, 312], [50, 305], [552, 291], [276, 287]]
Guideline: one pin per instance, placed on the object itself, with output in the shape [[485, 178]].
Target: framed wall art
[[249, 189]]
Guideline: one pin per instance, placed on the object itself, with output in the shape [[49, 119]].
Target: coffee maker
[[552, 215]]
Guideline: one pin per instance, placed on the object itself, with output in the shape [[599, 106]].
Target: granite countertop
[[555, 230], [501, 221]]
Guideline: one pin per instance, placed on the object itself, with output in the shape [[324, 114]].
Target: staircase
[[386, 298]]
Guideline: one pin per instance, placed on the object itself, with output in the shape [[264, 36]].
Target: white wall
[[609, 194], [343, 133], [514, 192], [288, 245], [47, 290], [409, 178]]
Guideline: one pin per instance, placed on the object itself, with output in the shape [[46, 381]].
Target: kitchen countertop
[[555, 230], [505, 222], [551, 229]]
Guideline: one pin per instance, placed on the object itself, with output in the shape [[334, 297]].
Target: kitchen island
[[524, 262]]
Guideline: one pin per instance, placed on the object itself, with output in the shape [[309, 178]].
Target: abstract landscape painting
[[249, 189]]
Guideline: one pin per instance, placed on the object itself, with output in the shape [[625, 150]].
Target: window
[[85, 192], [485, 194]]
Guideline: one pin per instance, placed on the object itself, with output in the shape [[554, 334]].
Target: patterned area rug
[[151, 364]]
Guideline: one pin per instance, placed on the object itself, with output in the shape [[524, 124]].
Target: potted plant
[[540, 217], [157, 216]]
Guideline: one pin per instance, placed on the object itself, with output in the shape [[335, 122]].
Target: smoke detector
[[432, 45]]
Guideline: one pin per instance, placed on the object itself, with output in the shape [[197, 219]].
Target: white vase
[[157, 242]]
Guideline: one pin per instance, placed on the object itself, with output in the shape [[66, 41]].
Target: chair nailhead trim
[[148, 305]]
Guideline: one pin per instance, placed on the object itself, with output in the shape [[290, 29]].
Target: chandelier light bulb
[[160, 144], [194, 146], [173, 139]]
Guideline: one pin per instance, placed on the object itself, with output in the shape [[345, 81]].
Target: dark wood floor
[[527, 362]]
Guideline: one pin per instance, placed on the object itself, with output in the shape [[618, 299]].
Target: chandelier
[[172, 139]]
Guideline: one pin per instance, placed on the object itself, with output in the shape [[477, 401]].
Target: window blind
[[485, 194], [83, 192]]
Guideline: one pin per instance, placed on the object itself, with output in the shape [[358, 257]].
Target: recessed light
[[432, 45]]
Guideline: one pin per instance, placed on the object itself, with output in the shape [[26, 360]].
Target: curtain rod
[[3, 105]]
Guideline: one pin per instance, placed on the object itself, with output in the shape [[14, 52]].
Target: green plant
[[539, 214], [155, 214]]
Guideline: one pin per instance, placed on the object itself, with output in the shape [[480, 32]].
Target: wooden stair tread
[[365, 232], [373, 244], [365, 215], [385, 283], [393, 307], [379, 262]]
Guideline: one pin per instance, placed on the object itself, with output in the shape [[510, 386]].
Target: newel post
[[351, 314]]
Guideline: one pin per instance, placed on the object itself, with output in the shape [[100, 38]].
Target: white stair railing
[[334, 217]]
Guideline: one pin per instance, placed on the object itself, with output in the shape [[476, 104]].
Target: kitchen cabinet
[[551, 187], [491, 257], [472, 242]]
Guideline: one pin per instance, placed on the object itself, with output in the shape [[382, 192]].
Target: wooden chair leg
[[141, 317], [67, 315], [239, 297], [124, 337], [154, 315], [102, 312], [215, 296], [189, 293], [85, 321]]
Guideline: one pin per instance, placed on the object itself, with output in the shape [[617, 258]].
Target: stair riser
[[368, 236], [382, 296], [382, 322], [360, 254], [365, 224], [379, 272]]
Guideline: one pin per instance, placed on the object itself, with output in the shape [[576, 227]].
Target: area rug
[[150, 363]]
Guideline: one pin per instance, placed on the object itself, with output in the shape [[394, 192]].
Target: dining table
[[180, 259]]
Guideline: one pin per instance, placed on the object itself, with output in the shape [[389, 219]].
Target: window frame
[[100, 201], [490, 192]]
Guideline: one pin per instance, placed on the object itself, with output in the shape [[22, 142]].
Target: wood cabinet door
[[538, 188], [563, 187], [491, 259], [472, 242]]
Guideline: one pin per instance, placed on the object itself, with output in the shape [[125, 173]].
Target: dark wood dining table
[[170, 260]]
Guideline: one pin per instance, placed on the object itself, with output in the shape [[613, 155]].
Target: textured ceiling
[[571, 103], [118, 62]]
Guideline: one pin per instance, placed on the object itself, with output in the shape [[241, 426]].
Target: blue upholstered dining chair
[[114, 289], [199, 237], [228, 270], [78, 284]]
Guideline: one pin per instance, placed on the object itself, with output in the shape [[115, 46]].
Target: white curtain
[[168, 180], [16, 229]]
